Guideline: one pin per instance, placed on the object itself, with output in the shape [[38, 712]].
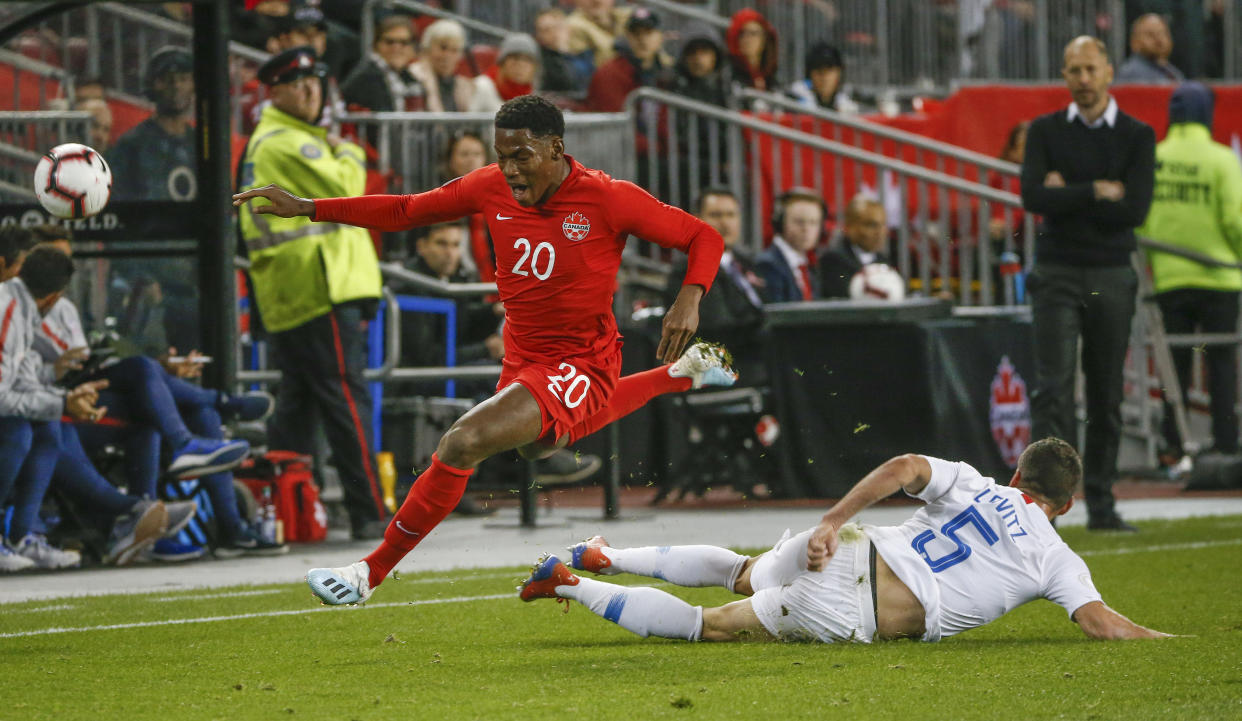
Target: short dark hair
[[424, 232], [1050, 469], [51, 232], [46, 271], [14, 240], [708, 192], [533, 113]]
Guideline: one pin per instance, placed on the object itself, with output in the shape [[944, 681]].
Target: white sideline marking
[[202, 596], [240, 616], [57, 607], [1189, 545]]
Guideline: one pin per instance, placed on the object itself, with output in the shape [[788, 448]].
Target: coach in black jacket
[[1089, 172], [863, 243]]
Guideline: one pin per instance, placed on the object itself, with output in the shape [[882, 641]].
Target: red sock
[[434, 495], [632, 393]]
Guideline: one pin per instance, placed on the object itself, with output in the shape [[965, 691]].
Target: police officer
[[1198, 205], [316, 284]]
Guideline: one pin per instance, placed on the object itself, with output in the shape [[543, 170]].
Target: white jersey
[[60, 330], [978, 550]]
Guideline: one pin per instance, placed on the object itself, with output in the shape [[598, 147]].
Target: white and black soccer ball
[[877, 281], [73, 181]]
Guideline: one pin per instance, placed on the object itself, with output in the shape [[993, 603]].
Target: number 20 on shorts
[[572, 395]]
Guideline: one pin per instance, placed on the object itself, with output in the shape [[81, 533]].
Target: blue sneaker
[[201, 456], [252, 406], [705, 364], [340, 586], [170, 550], [547, 574]]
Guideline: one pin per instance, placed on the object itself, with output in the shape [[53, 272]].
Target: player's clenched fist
[[282, 203], [821, 546]]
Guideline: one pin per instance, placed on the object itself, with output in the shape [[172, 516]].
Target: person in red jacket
[[639, 62], [751, 40], [558, 229]]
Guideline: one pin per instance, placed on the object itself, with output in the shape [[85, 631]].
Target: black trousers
[[321, 362], [1187, 310], [1096, 304]]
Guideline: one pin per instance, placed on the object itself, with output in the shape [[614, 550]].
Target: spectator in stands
[[862, 243], [701, 73], [785, 266], [824, 84], [733, 312], [1088, 171], [443, 44], [89, 87], [1150, 46], [639, 62], [157, 159], [101, 122], [1198, 207], [594, 27], [383, 82], [45, 450], [467, 152], [514, 74], [751, 40], [563, 72]]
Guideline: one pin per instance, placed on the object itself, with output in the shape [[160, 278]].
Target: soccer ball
[[73, 181], [877, 281]]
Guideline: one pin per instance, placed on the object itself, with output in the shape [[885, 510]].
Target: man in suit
[[863, 243], [785, 267], [733, 311]]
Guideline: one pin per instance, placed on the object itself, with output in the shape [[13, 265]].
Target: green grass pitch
[[461, 646]]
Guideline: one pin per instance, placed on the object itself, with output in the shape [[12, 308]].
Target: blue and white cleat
[[587, 556], [341, 586], [201, 456], [705, 364], [547, 574]]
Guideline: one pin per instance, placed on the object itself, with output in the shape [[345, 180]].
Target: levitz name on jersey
[[576, 226]]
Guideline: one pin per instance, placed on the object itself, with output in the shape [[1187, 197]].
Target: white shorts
[[832, 605]]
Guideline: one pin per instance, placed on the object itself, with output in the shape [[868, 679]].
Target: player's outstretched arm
[[281, 202], [1100, 622], [911, 472]]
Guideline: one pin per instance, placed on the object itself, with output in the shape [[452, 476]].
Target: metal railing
[[943, 224], [412, 146], [25, 136]]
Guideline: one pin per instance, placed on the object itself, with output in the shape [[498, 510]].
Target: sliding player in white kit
[[976, 551]]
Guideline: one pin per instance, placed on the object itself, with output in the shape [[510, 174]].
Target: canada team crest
[[1010, 412], [576, 226]]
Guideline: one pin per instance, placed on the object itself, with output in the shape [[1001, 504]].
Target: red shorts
[[567, 392]]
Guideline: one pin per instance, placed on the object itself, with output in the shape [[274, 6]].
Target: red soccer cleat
[[587, 556], [547, 574]]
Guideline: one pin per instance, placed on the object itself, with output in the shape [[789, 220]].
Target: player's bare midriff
[[898, 613]]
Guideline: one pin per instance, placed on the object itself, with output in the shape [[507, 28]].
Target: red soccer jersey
[[556, 262]]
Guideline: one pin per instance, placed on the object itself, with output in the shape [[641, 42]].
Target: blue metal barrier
[[375, 349]]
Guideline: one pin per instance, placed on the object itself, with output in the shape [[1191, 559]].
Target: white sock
[[641, 610], [680, 565]]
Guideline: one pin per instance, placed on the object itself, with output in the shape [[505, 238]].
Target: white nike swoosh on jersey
[[503, 217], [407, 531]]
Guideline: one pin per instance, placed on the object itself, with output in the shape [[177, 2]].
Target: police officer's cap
[[290, 65]]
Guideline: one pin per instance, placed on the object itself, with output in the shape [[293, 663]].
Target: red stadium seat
[[477, 60], [38, 47]]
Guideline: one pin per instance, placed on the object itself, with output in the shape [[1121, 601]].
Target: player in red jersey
[[558, 230]]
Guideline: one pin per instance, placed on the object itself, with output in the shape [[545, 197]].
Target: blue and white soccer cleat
[[201, 456], [705, 364], [586, 556], [547, 574], [341, 586]]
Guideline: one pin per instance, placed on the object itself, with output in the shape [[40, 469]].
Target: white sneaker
[[705, 364], [42, 554], [340, 586], [10, 562]]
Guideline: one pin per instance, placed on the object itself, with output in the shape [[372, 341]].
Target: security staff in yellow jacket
[[316, 284], [1198, 206]]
